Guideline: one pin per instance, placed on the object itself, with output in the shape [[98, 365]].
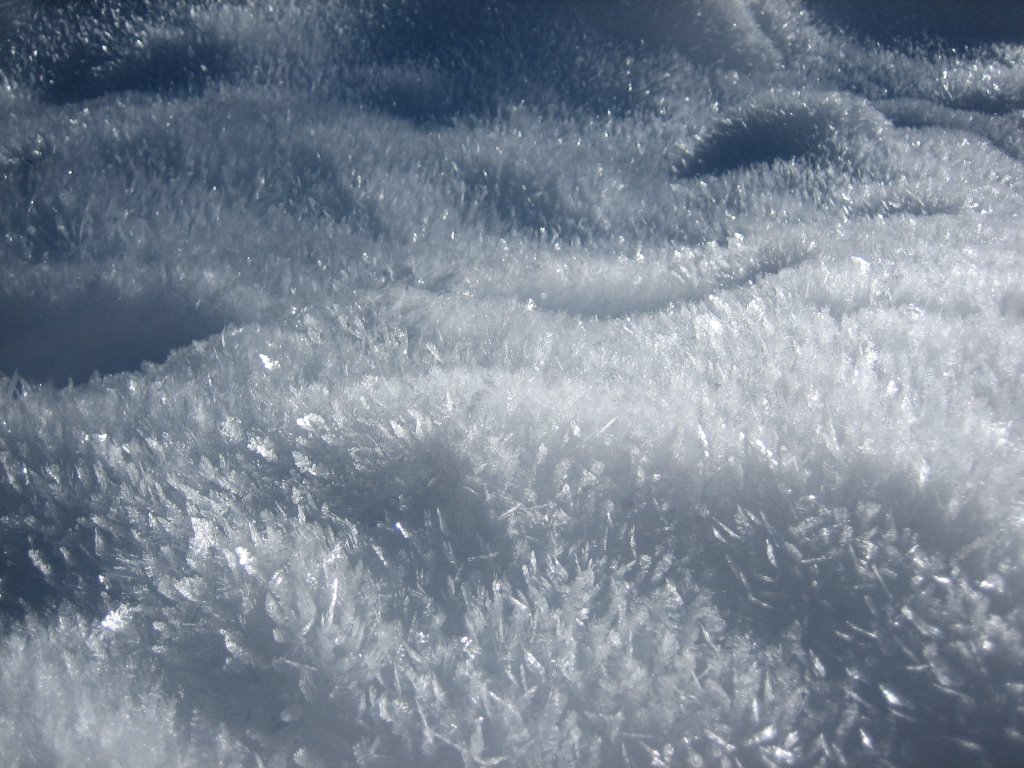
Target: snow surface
[[408, 382]]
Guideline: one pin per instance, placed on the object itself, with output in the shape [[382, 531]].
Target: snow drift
[[523, 384]]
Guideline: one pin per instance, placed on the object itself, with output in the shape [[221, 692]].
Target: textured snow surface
[[491, 383]]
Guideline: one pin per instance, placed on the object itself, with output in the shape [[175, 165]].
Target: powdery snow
[[511, 383]]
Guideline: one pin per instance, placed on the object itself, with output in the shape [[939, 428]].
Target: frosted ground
[[420, 383]]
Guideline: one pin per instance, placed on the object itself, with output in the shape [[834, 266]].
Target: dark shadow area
[[442, 61], [76, 51], [179, 66], [47, 559], [298, 178], [759, 136], [996, 125], [514, 197], [591, 55], [423, 96], [947, 23], [96, 331], [12, 12]]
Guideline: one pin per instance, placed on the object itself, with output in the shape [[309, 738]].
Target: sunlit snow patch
[[557, 384]]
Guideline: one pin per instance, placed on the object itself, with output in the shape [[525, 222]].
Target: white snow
[[511, 383]]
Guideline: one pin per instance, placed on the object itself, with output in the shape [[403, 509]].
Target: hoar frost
[[522, 384]]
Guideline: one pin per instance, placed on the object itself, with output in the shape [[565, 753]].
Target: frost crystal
[[505, 383]]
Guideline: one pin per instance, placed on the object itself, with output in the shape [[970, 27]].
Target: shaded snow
[[525, 384]]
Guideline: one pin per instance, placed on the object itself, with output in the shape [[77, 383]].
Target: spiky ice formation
[[525, 384]]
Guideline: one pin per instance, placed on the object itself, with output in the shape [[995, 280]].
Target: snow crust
[[408, 382]]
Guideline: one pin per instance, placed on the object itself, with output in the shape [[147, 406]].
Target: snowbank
[[526, 384]]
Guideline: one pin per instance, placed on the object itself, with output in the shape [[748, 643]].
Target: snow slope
[[409, 382]]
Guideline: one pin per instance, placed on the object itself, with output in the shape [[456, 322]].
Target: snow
[[524, 384]]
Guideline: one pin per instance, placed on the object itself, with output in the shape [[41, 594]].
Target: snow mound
[[423, 383]]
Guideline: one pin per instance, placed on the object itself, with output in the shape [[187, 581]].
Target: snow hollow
[[492, 383]]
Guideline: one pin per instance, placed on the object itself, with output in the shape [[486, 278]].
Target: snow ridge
[[522, 384]]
